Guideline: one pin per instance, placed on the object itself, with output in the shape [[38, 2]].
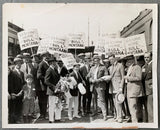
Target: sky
[[62, 19]]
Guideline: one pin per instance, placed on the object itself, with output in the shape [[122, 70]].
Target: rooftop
[[141, 15], [15, 27]]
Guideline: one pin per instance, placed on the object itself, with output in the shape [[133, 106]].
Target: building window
[[11, 40]]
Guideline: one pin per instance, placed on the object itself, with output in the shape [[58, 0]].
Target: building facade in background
[[13, 45], [141, 24]]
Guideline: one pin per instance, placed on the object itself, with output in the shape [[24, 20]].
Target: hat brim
[[16, 61], [76, 65], [117, 99]]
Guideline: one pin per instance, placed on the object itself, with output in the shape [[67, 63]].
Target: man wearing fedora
[[15, 86], [42, 89], [147, 79], [74, 93], [52, 77], [27, 67], [62, 69], [99, 86], [134, 86], [108, 96], [117, 81], [86, 98]]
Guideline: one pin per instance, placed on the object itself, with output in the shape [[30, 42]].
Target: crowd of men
[[125, 94]]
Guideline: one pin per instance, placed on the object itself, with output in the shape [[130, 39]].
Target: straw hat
[[81, 88], [120, 97]]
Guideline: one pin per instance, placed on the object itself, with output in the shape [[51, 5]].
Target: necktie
[[56, 70], [76, 74], [87, 68], [27, 68]]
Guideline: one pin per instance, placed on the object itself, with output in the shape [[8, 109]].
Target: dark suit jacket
[[64, 71], [83, 71], [41, 72], [17, 82], [147, 78], [74, 92], [36, 80], [10, 82], [51, 79]]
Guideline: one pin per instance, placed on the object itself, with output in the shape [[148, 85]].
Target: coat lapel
[[131, 70], [19, 75]]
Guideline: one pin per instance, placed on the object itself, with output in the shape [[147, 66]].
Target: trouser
[[79, 101], [86, 101], [150, 108], [142, 113], [94, 101], [118, 107], [125, 107], [15, 111], [111, 104], [73, 100], [132, 103], [42, 101], [54, 108], [101, 100], [28, 107]]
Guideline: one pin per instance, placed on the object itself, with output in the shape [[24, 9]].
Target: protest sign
[[68, 60], [43, 46], [76, 41], [28, 39], [115, 46], [100, 46], [58, 45], [135, 45]]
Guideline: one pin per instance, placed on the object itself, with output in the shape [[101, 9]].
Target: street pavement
[[85, 119]]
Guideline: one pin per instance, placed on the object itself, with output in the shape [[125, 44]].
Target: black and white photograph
[[79, 65]]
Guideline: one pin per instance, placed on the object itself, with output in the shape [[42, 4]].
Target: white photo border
[[77, 125]]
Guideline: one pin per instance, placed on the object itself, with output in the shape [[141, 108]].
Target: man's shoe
[[94, 114], [89, 112], [51, 121], [77, 116], [46, 117], [70, 118], [129, 119], [120, 121], [105, 118], [41, 117], [116, 119], [58, 121], [83, 114]]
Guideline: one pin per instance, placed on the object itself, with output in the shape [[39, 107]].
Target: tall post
[[75, 53], [32, 50], [88, 31]]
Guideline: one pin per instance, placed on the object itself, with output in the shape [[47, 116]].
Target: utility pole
[[88, 31], [99, 30]]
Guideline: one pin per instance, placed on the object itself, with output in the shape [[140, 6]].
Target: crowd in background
[[118, 87]]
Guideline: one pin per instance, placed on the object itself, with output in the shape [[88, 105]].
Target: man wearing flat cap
[[134, 86], [95, 74], [15, 86], [42, 89]]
